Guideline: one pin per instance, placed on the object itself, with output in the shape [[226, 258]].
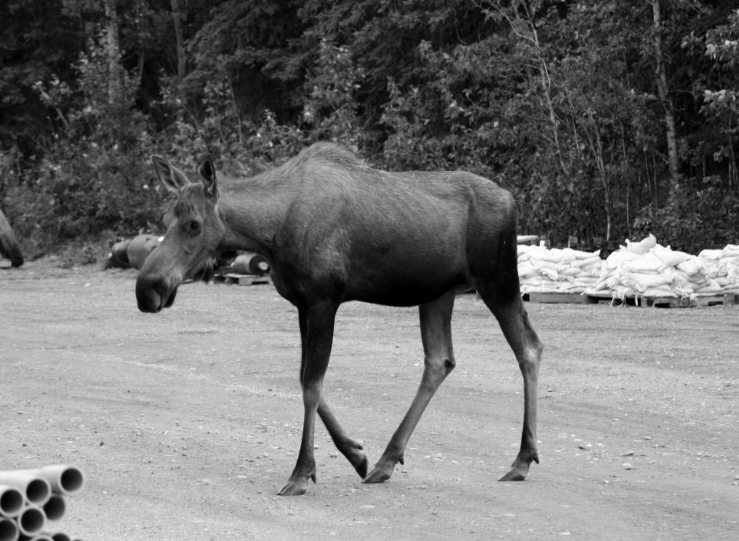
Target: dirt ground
[[187, 423]]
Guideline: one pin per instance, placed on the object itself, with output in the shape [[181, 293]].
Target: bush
[[693, 219], [94, 177]]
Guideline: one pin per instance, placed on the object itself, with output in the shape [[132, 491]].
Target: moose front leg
[[349, 447], [317, 331]]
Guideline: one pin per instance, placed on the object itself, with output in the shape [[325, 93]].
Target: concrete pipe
[[35, 489], [59, 536], [39, 537], [63, 479], [31, 521], [140, 248], [118, 256], [11, 501], [8, 530], [250, 264], [55, 508]]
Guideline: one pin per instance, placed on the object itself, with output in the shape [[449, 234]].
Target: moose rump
[[335, 230]]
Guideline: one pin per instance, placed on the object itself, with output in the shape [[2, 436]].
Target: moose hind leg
[[436, 334], [514, 322]]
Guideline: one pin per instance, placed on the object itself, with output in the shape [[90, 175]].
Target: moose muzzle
[[154, 293]]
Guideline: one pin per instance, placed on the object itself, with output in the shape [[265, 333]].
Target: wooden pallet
[[662, 302], [648, 302], [557, 298], [675, 302], [714, 300], [600, 298], [243, 279]]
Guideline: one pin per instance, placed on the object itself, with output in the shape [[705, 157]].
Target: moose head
[[190, 248]]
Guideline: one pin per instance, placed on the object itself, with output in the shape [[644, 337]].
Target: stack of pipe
[[30, 499], [541, 270]]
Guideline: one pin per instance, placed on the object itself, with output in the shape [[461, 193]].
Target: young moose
[[335, 230]]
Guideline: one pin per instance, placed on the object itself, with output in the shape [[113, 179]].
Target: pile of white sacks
[[541, 270], [639, 269]]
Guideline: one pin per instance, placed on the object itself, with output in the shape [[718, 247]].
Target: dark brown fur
[[335, 230]]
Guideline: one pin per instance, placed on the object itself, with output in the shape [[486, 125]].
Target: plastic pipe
[[31, 521], [8, 530], [55, 508], [36, 490], [11, 501], [63, 479]]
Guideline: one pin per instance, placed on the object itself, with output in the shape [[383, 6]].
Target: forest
[[606, 119]]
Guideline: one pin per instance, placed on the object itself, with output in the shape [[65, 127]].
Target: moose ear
[[208, 174], [172, 178]]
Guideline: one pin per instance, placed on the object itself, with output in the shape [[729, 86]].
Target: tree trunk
[[663, 89], [179, 38], [546, 85], [113, 51], [525, 28]]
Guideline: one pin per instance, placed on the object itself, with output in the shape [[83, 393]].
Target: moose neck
[[253, 214]]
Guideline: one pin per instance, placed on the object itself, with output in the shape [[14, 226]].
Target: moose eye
[[193, 227]]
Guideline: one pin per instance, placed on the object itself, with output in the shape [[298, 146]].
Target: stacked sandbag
[[648, 269], [542, 270], [722, 267], [30, 499]]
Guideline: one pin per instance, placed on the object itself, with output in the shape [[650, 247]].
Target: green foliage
[[555, 100], [693, 219], [94, 177], [247, 146], [37, 40]]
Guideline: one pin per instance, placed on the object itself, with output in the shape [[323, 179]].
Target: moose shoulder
[[334, 230]]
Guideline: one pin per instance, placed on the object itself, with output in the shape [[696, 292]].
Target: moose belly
[[401, 286]]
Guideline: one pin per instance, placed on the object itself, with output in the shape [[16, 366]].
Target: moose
[[334, 230]]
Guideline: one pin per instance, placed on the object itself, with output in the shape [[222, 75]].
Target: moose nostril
[[147, 296], [149, 302]]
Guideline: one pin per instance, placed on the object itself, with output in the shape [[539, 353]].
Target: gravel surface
[[187, 423]]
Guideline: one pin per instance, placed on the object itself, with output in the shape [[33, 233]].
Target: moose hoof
[[360, 463], [362, 468], [378, 475], [513, 475], [297, 486], [520, 466]]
